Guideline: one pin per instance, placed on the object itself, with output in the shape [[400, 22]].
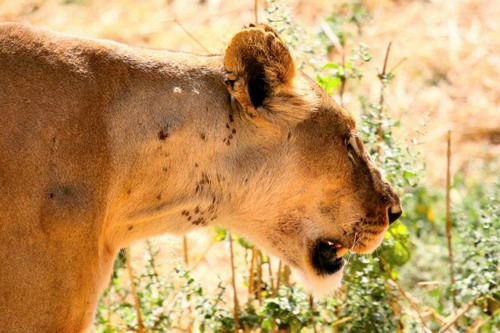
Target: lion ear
[[260, 73]]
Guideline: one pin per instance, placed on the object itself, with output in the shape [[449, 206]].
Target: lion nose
[[394, 213]]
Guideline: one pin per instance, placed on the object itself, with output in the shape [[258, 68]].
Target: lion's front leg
[[50, 283]]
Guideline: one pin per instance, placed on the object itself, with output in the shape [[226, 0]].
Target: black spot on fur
[[163, 133], [200, 221], [233, 131], [130, 227], [202, 136]]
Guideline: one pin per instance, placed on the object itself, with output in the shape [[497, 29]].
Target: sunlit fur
[[102, 144]]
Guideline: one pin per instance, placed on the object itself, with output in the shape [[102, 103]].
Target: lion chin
[[322, 285]]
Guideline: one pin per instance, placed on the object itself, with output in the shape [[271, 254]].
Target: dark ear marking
[[258, 87]]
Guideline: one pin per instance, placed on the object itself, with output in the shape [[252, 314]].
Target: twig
[[386, 59], [137, 305], [334, 39], [448, 217], [186, 263], [411, 301], [236, 307], [251, 274], [108, 305], [341, 321], [382, 75], [396, 307], [278, 280], [429, 283], [190, 35], [460, 312], [202, 255], [343, 79], [286, 275], [270, 269], [476, 325], [256, 10], [311, 305], [185, 250], [259, 275], [398, 64], [274, 328]]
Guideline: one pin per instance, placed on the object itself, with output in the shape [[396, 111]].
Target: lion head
[[307, 190]]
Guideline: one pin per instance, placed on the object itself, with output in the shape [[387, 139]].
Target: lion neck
[[181, 153]]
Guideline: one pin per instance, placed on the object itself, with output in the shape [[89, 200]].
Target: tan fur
[[102, 144]]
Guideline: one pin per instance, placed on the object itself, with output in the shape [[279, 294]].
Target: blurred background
[[411, 71]]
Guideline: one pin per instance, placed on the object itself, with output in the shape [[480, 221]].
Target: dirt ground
[[449, 77]]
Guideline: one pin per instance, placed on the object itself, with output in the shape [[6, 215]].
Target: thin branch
[[476, 325], [341, 321], [185, 250], [137, 303], [190, 35], [334, 39], [382, 75], [259, 275], [311, 305], [278, 279], [251, 280], [448, 217], [286, 275], [433, 313], [400, 62], [411, 301], [270, 269], [186, 263], [386, 59], [460, 312], [202, 255], [236, 306], [108, 305], [343, 79], [256, 10]]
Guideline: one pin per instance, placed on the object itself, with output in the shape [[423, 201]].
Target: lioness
[[102, 144]]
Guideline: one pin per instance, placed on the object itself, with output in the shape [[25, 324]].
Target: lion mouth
[[326, 256]]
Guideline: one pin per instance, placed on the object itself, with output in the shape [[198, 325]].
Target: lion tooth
[[335, 245]]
